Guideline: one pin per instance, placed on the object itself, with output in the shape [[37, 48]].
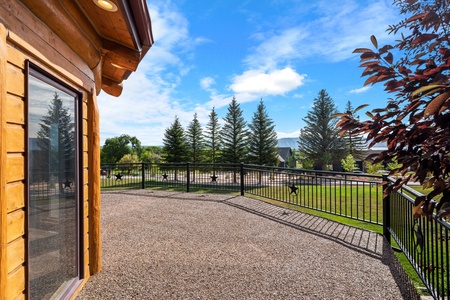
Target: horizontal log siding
[[4, 206], [15, 174], [23, 36]]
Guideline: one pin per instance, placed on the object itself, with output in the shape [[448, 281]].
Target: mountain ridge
[[288, 142]]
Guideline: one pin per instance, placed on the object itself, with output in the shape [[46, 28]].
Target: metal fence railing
[[184, 176], [425, 242], [353, 195]]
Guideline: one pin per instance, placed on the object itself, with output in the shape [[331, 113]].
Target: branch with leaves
[[415, 124]]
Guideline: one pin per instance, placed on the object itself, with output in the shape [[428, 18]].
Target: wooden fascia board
[[138, 21], [143, 24], [131, 23]]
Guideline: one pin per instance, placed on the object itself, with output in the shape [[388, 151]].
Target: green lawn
[[362, 202]]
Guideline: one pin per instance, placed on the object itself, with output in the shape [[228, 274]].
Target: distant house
[[284, 155]]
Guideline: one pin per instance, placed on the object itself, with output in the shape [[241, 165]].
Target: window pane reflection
[[52, 222]]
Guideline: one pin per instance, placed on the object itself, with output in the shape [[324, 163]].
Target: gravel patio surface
[[171, 245]]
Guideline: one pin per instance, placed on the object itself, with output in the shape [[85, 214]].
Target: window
[[54, 192]]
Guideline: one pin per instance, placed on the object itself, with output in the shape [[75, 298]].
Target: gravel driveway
[[168, 245]]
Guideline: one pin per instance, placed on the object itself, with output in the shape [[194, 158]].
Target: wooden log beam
[[83, 22], [111, 87], [95, 241], [56, 17], [97, 71], [120, 55], [36, 39]]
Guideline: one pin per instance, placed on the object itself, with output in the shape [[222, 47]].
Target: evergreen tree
[[234, 135], [320, 140], [56, 136], [356, 146], [262, 138], [176, 148], [212, 137], [195, 140], [292, 162]]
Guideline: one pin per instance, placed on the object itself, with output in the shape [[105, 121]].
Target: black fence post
[[241, 175], [143, 175], [386, 210], [188, 176]]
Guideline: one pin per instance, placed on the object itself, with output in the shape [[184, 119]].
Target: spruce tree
[[212, 137], [262, 138], [355, 142], [234, 135], [176, 147], [320, 140], [56, 136], [195, 140]]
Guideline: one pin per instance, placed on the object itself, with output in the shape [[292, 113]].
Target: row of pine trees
[[233, 142]]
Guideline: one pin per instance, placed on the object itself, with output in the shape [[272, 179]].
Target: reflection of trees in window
[[56, 138]]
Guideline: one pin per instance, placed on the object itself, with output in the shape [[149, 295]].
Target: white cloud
[[206, 82], [260, 83], [360, 90], [218, 101], [276, 48], [149, 102], [146, 106], [339, 28], [347, 25]]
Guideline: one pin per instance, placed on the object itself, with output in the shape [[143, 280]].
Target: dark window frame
[[37, 72]]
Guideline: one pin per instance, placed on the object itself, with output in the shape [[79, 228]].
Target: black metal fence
[[425, 242], [182, 176], [353, 195]]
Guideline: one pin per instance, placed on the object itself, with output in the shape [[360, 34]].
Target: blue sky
[[283, 51]]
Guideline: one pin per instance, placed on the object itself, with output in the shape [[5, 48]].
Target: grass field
[[362, 201]]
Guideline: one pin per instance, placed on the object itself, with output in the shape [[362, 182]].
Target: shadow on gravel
[[367, 242], [174, 195], [363, 241]]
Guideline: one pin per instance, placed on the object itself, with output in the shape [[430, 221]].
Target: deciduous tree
[[115, 148], [415, 123], [348, 163]]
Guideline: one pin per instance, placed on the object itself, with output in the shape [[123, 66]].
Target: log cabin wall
[[15, 193], [88, 49], [39, 45]]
